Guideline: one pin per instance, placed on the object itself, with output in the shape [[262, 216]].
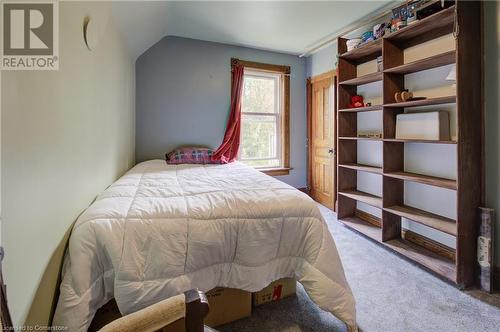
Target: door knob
[[331, 150]]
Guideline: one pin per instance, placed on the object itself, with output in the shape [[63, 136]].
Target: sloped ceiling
[[288, 27]]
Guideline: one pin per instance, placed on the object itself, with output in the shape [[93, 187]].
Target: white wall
[[66, 135], [430, 83]]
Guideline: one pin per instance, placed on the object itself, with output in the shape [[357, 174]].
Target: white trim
[[365, 20]]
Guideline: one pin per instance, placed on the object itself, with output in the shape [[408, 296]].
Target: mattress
[[163, 229]]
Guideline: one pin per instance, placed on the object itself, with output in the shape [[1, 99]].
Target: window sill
[[275, 171]]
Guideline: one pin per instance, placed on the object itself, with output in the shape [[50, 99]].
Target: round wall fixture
[[90, 33]]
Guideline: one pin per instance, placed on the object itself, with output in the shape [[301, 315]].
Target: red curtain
[[228, 150]]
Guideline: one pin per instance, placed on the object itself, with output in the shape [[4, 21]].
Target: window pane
[[259, 94], [258, 137]]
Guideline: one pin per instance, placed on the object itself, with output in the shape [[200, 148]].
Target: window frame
[[277, 79], [284, 123]]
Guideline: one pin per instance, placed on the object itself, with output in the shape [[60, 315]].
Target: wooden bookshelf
[[423, 102], [363, 168], [361, 138], [439, 264], [424, 179], [432, 220], [435, 263], [458, 267], [367, 52], [363, 197], [409, 140], [370, 78], [429, 28], [435, 61], [374, 108], [363, 227]]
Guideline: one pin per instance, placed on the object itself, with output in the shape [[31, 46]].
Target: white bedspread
[[161, 230]]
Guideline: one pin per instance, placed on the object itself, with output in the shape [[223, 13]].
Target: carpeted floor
[[391, 294]]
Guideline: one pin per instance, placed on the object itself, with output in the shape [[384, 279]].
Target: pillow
[[190, 155]]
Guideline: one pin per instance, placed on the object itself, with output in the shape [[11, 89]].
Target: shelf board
[[424, 64], [431, 27], [361, 138], [363, 197], [366, 52], [432, 220], [363, 227], [425, 179], [362, 109], [424, 102], [418, 141], [432, 261], [440, 265], [369, 78], [364, 168]]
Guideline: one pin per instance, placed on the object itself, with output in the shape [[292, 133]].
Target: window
[[261, 119], [264, 128]]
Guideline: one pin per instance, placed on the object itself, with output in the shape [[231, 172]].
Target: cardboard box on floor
[[276, 291], [227, 305]]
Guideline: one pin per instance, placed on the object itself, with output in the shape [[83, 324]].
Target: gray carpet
[[391, 294]]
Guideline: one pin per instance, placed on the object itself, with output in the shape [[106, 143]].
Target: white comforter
[[161, 230]]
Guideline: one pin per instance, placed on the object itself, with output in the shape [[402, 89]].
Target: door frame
[[333, 75]]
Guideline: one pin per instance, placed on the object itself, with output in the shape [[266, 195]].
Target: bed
[[163, 229]]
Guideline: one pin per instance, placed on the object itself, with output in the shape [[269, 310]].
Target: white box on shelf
[[423, 125]]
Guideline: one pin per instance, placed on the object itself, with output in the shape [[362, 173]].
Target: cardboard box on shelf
[[277, 290], [423, 125], [227, 305]]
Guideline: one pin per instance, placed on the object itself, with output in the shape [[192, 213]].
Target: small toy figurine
[[405, 95], [379, 30], [356, 101]]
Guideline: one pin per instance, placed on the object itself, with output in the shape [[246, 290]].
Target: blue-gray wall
[[183, 94], [322, 61]]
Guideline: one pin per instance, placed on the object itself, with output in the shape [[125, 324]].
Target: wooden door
[[322, 140]]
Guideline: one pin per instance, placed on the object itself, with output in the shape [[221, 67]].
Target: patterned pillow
[[190, 155]]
